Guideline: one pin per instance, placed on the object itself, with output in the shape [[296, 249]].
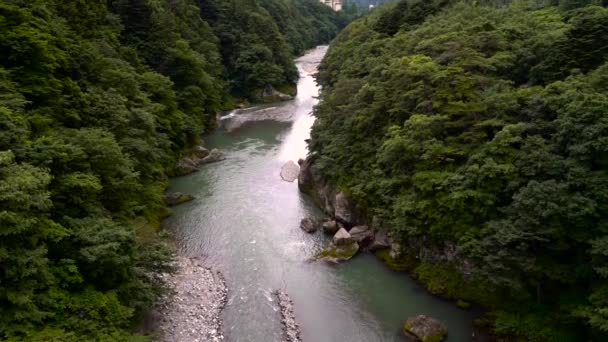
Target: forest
[[97, 101], [484, 125]]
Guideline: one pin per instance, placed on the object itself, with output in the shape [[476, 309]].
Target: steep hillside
[[97, 100], [481, 127]]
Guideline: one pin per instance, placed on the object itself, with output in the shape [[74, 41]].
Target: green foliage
[[483, 125], [97, 101]]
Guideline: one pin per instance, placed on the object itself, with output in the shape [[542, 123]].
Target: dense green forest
[[482, 124], [97, 100]]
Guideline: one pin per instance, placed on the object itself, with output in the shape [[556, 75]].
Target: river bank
[[192, 313]]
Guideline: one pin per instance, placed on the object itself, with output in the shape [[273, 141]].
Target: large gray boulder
[[425, 329], [361, 234], [330, 227], [290, 171], [342, 237], [309, 225]]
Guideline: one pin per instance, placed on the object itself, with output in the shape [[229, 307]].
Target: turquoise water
[[245, 220]]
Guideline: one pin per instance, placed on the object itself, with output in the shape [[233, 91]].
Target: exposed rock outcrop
[[269, 94], [380, 241], [175, 198], [334, 203], [290, 171], [198, 156], [425, 329], [309, 225], [215, 155], [362, 234]]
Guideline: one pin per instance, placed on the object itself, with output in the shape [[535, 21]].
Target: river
[[245, 221]]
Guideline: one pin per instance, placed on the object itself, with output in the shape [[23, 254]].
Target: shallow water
[[245, 220]]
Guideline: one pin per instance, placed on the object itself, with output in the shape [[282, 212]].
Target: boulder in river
[[175, 198], [342, 237], [336, 253], [290, 171], [425, 329], [215, 155], [309, 225], [361, 234], [330, 227], [185, 166]]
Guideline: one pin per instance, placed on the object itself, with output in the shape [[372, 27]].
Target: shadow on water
[[245, 219]]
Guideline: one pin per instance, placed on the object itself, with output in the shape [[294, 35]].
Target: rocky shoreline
[[192, 313], [291, 329]]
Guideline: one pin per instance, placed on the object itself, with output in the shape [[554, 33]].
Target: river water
[[245, 220]]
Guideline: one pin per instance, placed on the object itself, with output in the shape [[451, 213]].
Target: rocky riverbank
[[192, 313], [291, 330]]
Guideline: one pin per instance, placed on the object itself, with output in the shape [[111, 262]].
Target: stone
[[425, 329], [185, 166], [215, 155], [361, 234], [175, 198], [200, 151], [336, 253], [342, 237], [309, 225], [379, 242], [290, 171], [330, 227]]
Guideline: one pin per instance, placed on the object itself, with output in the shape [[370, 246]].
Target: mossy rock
[[404, 263], [463, 304], [425, 329], [336, 254]]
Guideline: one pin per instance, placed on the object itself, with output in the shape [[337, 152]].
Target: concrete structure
[[336, 5]]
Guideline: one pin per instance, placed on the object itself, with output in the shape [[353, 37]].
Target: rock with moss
[[425, 329], [402, 263], [337, 253], [175, 198]]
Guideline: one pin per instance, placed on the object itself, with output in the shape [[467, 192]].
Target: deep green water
[[245, 220]]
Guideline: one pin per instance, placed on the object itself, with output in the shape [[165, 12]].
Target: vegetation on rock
[[482, 124]]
